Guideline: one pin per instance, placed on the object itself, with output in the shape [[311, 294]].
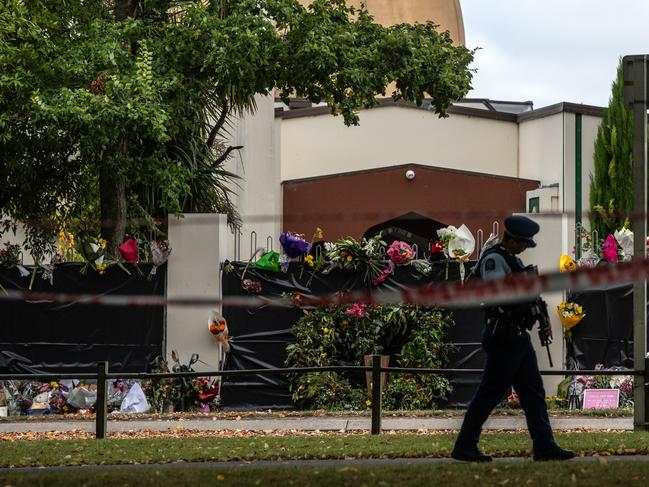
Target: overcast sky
[[550, 51]]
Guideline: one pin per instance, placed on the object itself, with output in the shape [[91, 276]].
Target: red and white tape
[[518, 287]]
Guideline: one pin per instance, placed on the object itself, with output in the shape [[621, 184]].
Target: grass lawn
[[221, 447], [626, 473]]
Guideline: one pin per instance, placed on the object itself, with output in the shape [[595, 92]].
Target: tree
[[611, 187], [113, 111]]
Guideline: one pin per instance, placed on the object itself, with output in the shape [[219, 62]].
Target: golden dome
[[446, 13]]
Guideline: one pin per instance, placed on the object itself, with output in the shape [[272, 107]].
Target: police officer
[[511, 360]]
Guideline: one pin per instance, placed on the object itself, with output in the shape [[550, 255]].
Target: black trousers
[[511, 361]]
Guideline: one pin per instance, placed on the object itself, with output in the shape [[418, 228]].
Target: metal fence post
[[376, 394], [635, 97], [646, 392], [100, 405]]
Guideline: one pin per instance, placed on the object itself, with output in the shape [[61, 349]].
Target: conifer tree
[[611, 186]]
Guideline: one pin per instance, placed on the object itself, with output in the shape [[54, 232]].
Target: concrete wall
[[194, 271], [541, 150], [258, 193], [388, 136]]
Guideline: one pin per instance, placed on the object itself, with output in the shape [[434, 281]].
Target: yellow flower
[[309, 260], [345, 322], [54, 384], [325, 330], [102, 243], [323, 355], [101, 268], [368, 403]]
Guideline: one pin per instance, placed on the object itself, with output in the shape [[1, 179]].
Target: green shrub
[[342, 335]]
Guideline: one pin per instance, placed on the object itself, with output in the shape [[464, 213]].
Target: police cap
[[521, 228]]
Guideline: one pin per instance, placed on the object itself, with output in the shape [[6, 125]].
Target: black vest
[[514, 264], [516, 313]]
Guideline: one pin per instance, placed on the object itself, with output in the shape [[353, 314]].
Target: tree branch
[[226, 154], [219, 124]]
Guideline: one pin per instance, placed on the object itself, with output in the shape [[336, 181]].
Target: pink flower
[[609, 249], [400, 252], [389, 269], [358, 310]]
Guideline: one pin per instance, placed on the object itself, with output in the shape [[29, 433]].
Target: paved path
[[315, 424]]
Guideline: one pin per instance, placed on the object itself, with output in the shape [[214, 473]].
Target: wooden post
[[101, 406], [376, 394]]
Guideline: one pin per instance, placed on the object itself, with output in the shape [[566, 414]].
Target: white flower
[[447, 233], [329, 246], [624, 237]]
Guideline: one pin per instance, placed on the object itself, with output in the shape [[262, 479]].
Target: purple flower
[[294, 245]]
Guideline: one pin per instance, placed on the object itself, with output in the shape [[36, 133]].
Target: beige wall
[[541, 150], [258, 193], [194, 271], [321, 145]]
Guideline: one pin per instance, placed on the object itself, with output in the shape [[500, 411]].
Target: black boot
[[555, 453], [473, 455]]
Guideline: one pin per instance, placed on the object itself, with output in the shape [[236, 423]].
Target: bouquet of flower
[[218, 326], [610, 249], [624, 238], [10, 256], [93, 250], [570, 314], [162, 394], [445, 235], [458, 244], [625, 384], [348, 253], [294, 244], [566, 264], [160, 252], [400, 253], [204, 391]]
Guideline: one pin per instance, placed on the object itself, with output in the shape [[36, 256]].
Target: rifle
[[540, 314]]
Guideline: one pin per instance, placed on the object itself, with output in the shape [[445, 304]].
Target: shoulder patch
[[490, 264]]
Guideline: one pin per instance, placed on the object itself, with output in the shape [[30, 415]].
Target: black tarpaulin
[[44, 336], [258, 337], [605, 334]]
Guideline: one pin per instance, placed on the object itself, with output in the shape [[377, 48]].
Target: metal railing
[[103, 375]]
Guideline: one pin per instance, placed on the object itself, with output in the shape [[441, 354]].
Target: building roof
[[508, 111]]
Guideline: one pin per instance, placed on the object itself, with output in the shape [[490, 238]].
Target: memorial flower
[[459, 245], [570, 315], [160, 252], [251, 285], [357, 310], [624, 238], [609, 249], [400, 252], [294, 245], [566, 264], [348, 253], [10, 255]]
